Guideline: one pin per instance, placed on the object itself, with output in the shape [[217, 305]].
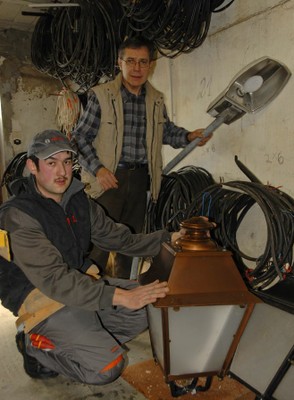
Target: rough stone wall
[[28, 97]]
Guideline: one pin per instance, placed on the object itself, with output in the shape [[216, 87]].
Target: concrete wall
[[28, 97], [244, 32]]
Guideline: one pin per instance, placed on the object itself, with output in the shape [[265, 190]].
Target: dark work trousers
[[126, 205], [88, 341]]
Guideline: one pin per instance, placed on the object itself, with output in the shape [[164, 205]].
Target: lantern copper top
[[197, 236]]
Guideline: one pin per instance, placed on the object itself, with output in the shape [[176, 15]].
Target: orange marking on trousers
[[112, 364]]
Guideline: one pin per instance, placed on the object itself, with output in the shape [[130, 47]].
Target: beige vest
[[109, 140]]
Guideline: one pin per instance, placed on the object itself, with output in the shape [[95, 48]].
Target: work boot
[[31, 365]]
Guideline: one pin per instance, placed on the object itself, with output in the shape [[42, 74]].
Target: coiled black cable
[[80, 44], [191, 191], [228, 204], [175, 26], [178, 189], [14, 170]]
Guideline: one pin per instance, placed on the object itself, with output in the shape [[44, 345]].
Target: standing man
[[71, 321], [119, 139]]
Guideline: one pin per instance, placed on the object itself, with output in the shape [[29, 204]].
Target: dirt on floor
[[148, 379]]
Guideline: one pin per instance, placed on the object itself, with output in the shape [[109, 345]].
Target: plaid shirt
[[134, 142]]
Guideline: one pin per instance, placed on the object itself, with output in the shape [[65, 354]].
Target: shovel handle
[[211, 128]]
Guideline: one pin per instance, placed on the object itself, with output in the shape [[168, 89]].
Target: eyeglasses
[[131, 62]]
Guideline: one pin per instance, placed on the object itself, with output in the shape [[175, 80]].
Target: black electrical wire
[[41, 45], [228, 205], [178, 189], [80, 44], [14, 170], [175, 26], [192, 191], [215, 8]]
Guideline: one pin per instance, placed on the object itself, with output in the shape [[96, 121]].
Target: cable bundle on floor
[[228, 204], [178, 189]]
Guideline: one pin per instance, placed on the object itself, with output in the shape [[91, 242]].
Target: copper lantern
[[196, 328]]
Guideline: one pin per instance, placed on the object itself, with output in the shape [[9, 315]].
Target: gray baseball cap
[[47, 143]]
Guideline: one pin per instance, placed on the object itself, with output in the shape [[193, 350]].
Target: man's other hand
[[177, 235], [106, 179]]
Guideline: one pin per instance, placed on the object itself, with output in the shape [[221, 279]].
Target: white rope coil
[[67, 110]]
